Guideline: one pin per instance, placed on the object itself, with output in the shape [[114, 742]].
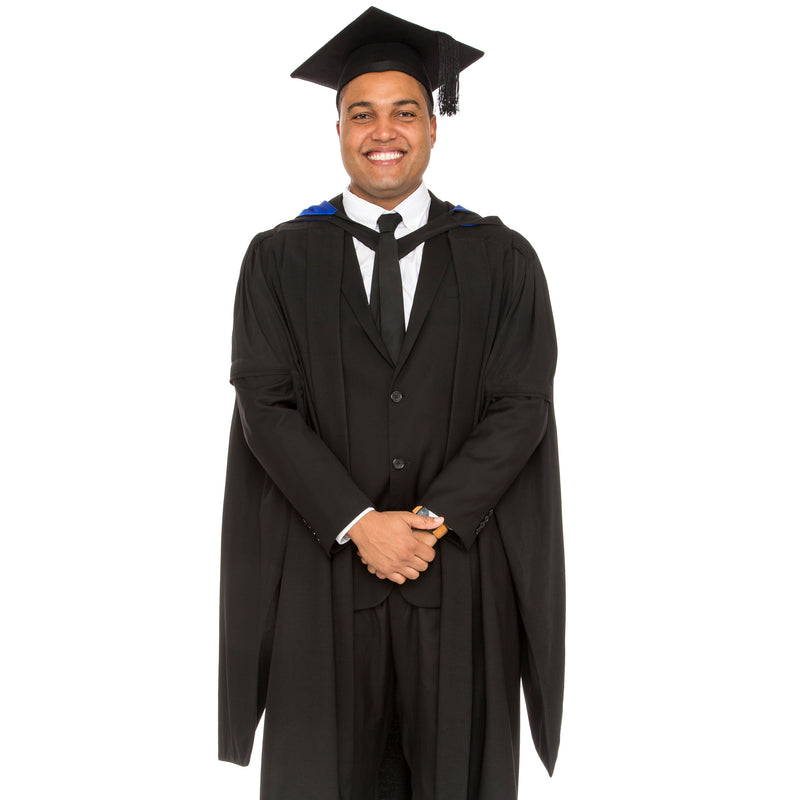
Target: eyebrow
[[367, 104]]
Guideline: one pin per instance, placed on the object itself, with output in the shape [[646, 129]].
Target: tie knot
[[388, 222]]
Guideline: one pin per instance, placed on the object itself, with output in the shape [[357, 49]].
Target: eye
[[362, 115]]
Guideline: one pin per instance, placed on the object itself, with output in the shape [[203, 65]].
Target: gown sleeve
[[267, 375], [517, 403]]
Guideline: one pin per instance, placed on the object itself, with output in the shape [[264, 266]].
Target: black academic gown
[[286, 632]]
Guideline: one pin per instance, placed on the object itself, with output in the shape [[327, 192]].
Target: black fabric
[[397, 675], [378, 42], [414, 424], [287, 589], [394, 774], [384, 57], [386, 300]]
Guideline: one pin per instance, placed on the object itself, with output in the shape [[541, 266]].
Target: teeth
[[384, 156]]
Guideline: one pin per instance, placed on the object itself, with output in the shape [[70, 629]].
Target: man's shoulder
[[492, 230], [277, 234], [474, 224]]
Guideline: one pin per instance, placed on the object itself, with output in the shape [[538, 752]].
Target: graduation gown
[[286, 589]]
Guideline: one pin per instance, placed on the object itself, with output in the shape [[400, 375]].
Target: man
[[385, 362]]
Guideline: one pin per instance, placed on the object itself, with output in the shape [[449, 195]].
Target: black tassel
[[449, 69]]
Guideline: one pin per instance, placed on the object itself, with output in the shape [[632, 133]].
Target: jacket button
[[396, 396], [398, 463]]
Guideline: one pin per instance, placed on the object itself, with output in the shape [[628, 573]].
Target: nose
[[384, 129]]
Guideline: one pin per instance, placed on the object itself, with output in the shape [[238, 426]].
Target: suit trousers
[[396, 691]]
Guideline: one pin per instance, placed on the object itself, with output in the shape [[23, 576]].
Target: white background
[[648, 150]]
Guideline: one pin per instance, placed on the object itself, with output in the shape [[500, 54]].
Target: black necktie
[[386, 295]]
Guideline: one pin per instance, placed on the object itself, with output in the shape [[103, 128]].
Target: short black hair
[[428, 101]]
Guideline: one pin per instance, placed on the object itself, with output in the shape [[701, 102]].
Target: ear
[[433, 130], [338, 129]]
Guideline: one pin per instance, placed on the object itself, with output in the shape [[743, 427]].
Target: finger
[[396, 577], [410, 573], [425, 537], [419, 562], [425, 552]]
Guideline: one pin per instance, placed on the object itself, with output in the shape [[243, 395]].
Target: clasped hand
[[397, 545]]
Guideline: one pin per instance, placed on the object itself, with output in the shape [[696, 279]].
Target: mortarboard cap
[[379, 42]]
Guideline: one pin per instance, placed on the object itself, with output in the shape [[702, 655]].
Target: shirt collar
[[414, 209]]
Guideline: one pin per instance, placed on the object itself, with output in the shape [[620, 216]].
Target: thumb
[[425, 523]]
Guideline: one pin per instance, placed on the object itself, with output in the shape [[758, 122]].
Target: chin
[[382, 190]]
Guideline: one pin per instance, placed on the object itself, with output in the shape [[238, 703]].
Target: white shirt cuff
[[343, 537]]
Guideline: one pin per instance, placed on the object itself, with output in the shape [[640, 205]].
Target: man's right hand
[[395, 544]]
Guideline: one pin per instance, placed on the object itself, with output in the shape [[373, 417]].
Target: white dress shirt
[[414, 211]]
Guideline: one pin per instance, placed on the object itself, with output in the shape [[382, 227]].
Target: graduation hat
[[379, 42]]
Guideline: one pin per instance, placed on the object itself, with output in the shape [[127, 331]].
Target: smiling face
[[386, 135]]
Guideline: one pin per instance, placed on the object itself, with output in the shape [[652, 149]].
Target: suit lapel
[[356, 297], [435, 260]]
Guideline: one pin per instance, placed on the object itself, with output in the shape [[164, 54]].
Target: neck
[[388, 203]]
